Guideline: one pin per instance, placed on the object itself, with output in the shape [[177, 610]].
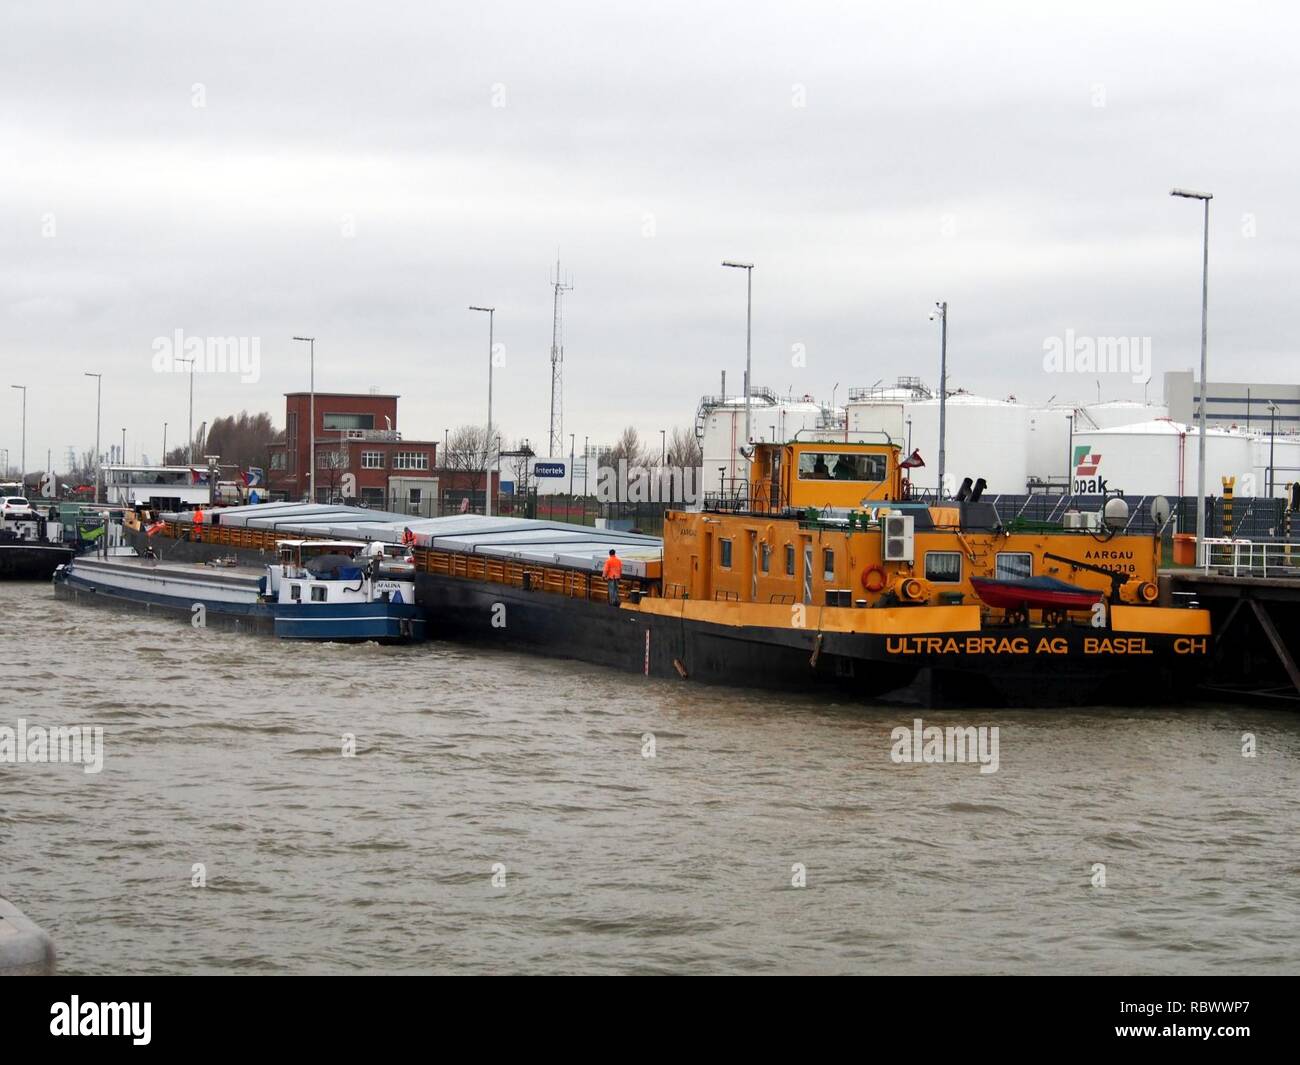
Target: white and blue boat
[[337, 590]]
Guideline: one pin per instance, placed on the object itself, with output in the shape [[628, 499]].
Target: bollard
[[25, 950]]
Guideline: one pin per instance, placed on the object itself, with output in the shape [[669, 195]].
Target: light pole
[[1272, 437], [487, 494], [311, 416], [1205, 197], [22, 473], [164, 450], [99, 381], [586, 459], [663, 447], [1069, 455], [749, 318], [189, 448], [122, 456], [941, 312]]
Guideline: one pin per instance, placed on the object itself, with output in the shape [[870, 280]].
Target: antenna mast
[[557, 363]]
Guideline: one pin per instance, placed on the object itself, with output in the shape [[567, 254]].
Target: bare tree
[[684, 449], [469, 451], [630, 448]]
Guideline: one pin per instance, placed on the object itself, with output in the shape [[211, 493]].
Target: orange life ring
[[867, 581]]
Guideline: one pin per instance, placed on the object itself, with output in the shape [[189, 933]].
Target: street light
[[189, 448], [122, 456], [1205, 197], [749, 308], [164, 450], [99, 381], [941, 312], [1272, 437], [663, 442], [487, 494], [22, 473], [311, 417], [586, 459]]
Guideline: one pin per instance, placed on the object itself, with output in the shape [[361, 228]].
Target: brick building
[[360, 453]]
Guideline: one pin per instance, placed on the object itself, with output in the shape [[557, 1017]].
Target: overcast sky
[[364, 172]]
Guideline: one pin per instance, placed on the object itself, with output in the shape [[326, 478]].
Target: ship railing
[[571, 581], [737, 495], [1250, 558]]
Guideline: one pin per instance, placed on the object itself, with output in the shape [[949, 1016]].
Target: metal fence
[[1249, 558]]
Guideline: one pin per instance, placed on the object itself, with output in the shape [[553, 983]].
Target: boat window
[[828, 564], [724, 549], [840, 466], [318, 593], [789, 560], [765, 556], [295, 592], [943, 567], [1014, 566]]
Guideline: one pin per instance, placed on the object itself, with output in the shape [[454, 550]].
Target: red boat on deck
[[1034, 593]]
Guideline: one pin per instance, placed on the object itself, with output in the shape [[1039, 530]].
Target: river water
[[502, 813]]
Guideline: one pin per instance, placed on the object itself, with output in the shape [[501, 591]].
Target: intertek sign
[[549, 469]]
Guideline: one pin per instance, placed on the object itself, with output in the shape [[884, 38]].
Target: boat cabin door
[[706, 570]]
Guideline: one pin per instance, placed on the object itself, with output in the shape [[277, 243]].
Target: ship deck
[[236, 576]]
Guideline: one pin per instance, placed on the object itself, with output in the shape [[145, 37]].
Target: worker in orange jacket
[[613, 572]]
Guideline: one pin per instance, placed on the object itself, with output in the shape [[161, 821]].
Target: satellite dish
[[1160, 511]]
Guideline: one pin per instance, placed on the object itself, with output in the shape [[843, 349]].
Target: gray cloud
[[941, 151]]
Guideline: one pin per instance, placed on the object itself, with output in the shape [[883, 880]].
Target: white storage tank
[[1048, 457], [1118, 412], [720, 425], [986, 438], [1158, 458], [1285, 460]]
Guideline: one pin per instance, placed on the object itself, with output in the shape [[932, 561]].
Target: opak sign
[[1087, 480]]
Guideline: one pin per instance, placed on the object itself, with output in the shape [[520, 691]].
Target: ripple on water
[[499, 816]]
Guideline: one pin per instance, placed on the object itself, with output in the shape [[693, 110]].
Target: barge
[[31, 546], [818, 570], [336, 590]]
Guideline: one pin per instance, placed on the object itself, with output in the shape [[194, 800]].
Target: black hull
[[848, 664], [32, 562]]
